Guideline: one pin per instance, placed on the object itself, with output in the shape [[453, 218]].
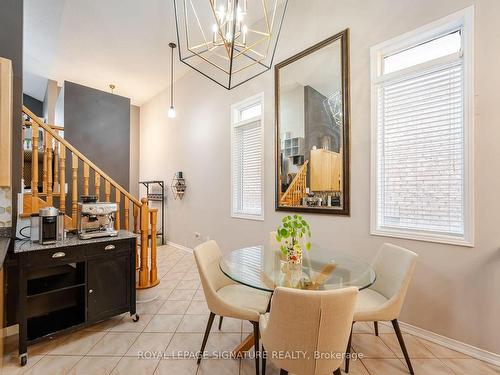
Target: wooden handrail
[[54, 127], [69, 147], [296, 180]]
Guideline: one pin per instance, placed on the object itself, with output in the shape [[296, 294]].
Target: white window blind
[[422, 124], [421, 151], [247, 162]]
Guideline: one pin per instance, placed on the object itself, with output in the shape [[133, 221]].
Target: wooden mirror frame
[[343, 36]]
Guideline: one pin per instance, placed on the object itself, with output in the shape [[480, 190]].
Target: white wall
[[455, 290]]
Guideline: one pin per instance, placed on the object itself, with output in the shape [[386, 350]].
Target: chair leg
[[283, 372], [257, 346], [220, 322], [348, 351], [337, 372], [395, 324], [263, 360], [205, 338], [375, 324]]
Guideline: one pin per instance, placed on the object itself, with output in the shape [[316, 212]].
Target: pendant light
[[228, 41], [171, 110]]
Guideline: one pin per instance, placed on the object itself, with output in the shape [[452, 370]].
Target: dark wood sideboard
[[73, 284]]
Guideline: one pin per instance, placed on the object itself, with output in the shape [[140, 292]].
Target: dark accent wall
[[97, 123], [34, 105], [11, 47]]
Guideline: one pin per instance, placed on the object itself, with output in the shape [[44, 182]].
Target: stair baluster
[[126, 213], [117, 200], [34, 168], [107, 190], [153, 275], [97, 185], [49, 169], [62, 178], [74, 189], [86, 178]]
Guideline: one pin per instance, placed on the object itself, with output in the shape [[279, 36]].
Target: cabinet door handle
[[59, 254], [91, 291], [109, 247]]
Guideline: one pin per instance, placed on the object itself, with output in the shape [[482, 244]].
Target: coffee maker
[[96, 219]]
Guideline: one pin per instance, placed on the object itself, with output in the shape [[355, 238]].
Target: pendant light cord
[[172, 76]]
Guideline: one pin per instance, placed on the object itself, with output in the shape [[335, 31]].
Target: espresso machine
[[96, 219]]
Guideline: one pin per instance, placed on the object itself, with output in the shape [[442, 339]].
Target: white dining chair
[[227, 298], [383, 300], [316, 323]]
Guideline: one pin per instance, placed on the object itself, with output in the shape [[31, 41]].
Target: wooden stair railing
[[297, 189], [55, 149]]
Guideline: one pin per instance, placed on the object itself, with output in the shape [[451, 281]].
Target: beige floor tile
[[128, 325], [181, 295], [150, 344], [198, 307], [177, 367], [188, 284], [11, 364], [114, 343], [247, 367], [78, 343], [184, 342], [174, 307], [371, 346], [247, 327], [415, 348], [385, 367], [105, 325], [441, 351], [199, 295], [193, 323], [228, 325], [356, 367], [191, 276], [173, 276], [223, 342], [150, 307], [95, 366], [163, 293], [363, 327], [471, 366], [136, 366], [385, 327], [163, 323], [430, 366], [167, 283], [219, 367], [44, 347], [54, 365]]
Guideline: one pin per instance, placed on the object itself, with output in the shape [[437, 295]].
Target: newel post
[[143, 270], [153, 277]]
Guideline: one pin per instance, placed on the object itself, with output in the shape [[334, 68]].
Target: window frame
[[236, 109], [464, 20]]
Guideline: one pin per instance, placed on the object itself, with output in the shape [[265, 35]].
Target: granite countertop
[[21, 246], [5, 234]]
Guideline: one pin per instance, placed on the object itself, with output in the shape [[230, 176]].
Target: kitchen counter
[[5, 234], [21, 246]]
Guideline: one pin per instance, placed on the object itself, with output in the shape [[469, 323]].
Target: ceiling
[[96, 42]]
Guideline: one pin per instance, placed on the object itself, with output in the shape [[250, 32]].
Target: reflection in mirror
[[313, 130]]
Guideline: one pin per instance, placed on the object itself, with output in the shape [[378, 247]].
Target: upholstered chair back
[[207, 256], [394, 266], [317, 323]]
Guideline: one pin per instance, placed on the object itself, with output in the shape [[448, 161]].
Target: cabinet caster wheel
[[135, 317], [23, 359]]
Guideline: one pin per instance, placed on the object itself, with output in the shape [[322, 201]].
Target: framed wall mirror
[[312, 129]]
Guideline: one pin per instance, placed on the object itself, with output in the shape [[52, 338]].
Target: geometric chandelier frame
[[228, 41]]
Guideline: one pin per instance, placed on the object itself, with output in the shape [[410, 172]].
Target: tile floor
[[175, 322]]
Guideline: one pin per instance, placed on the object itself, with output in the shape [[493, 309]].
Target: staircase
[[297, 189], [55, 150]]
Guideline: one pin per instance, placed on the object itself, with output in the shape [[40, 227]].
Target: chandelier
[[228, 41]]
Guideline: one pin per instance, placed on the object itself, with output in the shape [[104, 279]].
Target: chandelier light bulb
[[171, 112]]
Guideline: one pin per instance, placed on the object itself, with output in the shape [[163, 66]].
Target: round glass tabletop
[[262, 267]]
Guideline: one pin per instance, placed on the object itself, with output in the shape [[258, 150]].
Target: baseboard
[[180, 247], [452, 344]]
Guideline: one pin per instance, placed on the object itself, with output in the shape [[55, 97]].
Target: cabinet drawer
[[108, 247], [52, 256]]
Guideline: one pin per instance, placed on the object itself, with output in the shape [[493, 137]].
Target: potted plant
[[293, 233]]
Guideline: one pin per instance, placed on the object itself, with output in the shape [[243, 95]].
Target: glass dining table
[[263, 267]]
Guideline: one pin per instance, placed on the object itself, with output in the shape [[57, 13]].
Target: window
[[422, 108], [247, 157]]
